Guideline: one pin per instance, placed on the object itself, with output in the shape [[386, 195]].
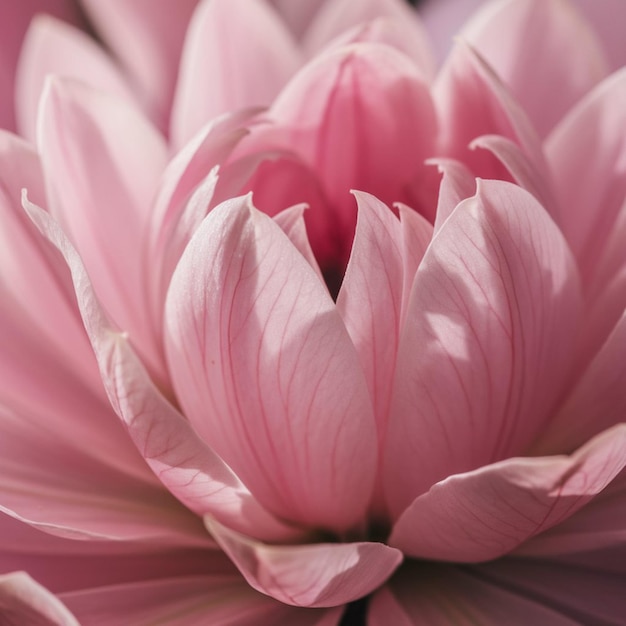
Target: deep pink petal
[[54, 47], [472, 101], [588, 147], [24, 601], [361, 117], [190, 469], [585, 595], [237, 54], [528, 43], [102, 163], [431, 594], [313, 575], [484, 514], [487, 343], [266, 372], [147, 36]]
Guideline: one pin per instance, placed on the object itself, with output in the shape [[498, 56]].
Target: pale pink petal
[[102, 163], [311, 575], [597, 402], [585, 595], [333, 18], [297, 15], [54, 47], [291, 222], [487, 343], [15, 18], [525, 172], [189, 601], [237, 54], [24, 601], [431, 594], [486, 513], [190, 470], [362, 118], [405, 36], [457, 183], [266, 372], [61, 489], [598, 525], [528, 43], [471, 102], [147, 36], [588, 147], [370, 298]]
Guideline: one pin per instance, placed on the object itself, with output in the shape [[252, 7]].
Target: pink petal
[[486, 513], [333, 18], [588, 147], [237, 54], [300, 395], [189, 469], [528, 43], [102, 163], [313, 575], [457, 183], [438, 595], [471, 102], [297, 15], [370, 298], [15, 18], [24, 601], [54, 47], [487, 343], [266, 372], [597, 402], [406, 36], [584, 595], [362, 118], [147, 36]]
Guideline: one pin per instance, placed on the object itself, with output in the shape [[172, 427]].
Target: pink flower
[[330, 416]]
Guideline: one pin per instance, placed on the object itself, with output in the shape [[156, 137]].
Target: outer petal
[[23, 601], [457, 184], [185, 464], [265, 370], [471, 102], [54, 47], [237, 54], [528, 43], [487, 343], [147, 36], [484, 514], [439, 595], [102, 162], [314, 575], [585, 595], [588, 147]]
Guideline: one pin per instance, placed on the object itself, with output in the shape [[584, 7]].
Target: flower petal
[[54, 47], [102, 162], [266, 372], [487, 343], [189, 468], [439, 595], [472, 102], [23, 601], [237, 54], [313, 575], [588, 147], [528, 43], [484, 514], [457, 184], [147, 36]]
